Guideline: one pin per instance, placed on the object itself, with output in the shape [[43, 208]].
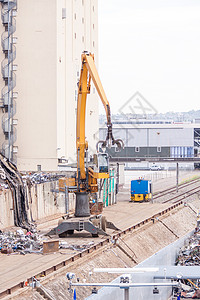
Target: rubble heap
[[22, 242], [10, 176], [189, 255], [41, 177]]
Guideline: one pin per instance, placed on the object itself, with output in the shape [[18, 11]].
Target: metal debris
[[3, 186], [25, 242], [65, 245], [41, 177], [189, 255], [21, 242], [10, 176]]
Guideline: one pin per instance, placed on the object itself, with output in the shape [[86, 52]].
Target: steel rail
[[182, 196], [173, 189], [106, 241]]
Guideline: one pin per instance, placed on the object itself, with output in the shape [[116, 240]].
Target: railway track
[[78, 256], [173, 189], [183, 196]]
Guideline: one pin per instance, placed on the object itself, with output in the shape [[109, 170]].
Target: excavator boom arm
[[88, 72], [98, 85]]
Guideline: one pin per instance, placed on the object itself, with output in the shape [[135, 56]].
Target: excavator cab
[[103, 163]]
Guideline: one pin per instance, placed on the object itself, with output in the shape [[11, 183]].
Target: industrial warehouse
[[153, 138], [99, 190]]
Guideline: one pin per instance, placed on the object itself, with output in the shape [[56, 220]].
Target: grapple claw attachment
[[119, 143]]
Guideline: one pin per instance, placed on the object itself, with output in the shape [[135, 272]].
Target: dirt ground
[[139, 244], [143, 243]]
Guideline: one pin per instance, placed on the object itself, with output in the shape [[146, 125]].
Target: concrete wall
[[6, 209], [166, 256], [42, 203]]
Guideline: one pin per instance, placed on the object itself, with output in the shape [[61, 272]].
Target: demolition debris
[[189, 255], [21, 242], [41, 177]]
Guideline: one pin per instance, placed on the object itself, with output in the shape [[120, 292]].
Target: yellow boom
[[88, 72]]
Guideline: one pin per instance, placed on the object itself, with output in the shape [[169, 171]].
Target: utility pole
[[126, 294], [177, 176]]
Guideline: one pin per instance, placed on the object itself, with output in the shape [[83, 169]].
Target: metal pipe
[[126, 285], [193, 284], [126, 294], [66, 199], [9, 104], [125, 270]]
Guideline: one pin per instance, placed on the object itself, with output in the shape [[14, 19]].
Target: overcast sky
[[153, 47]]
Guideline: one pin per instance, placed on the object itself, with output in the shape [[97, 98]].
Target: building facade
[[154, 138], [44, 42]]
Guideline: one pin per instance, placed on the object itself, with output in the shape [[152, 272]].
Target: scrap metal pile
[[41, 177], [20, 242], [26, 242], [11, 176], [189, 255]]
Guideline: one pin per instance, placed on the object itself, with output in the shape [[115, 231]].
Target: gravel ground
[[143, 242]]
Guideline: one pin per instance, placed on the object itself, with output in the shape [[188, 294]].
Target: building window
[[137, 149], [75, 35], [158, 149], [93, 26], [93, 8], [117, 149], [82, 20], [82, 2], [76, 95], [74, 16], [64, 13], [83, 39], [93, 43], [39, 167], [15, 149]]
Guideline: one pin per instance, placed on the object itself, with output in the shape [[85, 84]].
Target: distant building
[[42, 42], [155, 138]]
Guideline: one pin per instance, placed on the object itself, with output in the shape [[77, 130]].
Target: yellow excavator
[[86, 178]]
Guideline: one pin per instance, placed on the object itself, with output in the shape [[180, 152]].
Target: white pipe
[[125, 270], [125, 285]]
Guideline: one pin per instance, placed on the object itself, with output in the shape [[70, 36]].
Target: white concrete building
[[45, 65]]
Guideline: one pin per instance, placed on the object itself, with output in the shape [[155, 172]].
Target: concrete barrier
[[166, 256], [42, 203], [6, 209]]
